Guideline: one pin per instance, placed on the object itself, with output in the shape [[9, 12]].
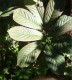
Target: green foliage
[[20, 33], [44, 35], [65, 24], [54, 9], [53, 20], [28, 54], [26, 19]]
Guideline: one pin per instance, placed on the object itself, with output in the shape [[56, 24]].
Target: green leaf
[[64, 24], [20, 33], [28, 54], [55, 62], [51, 63], [34, 11], [41, 9], [54, 9], [7, 12], [53, 59], [25, 18], [60, 59]]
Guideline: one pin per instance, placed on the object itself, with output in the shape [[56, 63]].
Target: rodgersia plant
[[45, 30]]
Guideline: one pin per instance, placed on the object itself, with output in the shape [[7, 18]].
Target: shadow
[[68, 8]]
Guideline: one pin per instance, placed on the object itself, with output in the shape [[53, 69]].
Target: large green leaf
[[34, 11], [20, 33], [64, 24], [54, 9], [26, 18], [28, 54]]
